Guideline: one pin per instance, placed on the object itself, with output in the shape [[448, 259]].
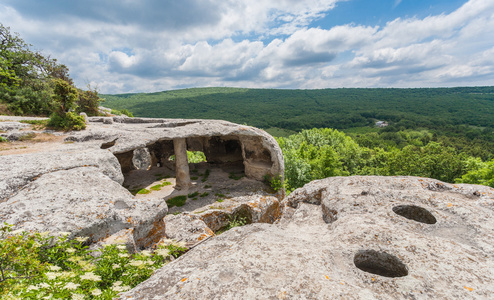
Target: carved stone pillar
[[181, 164]]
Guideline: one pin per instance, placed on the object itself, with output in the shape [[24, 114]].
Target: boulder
[[85, 202], [16, 171], [347, 238]]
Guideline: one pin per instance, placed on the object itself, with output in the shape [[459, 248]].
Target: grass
[[37, 124], [205, 194], [206, 175], [235, 177], [193, 195], [156, 187], [194, 177], [143, 191], [220, 200], [219, 195], [176, 201]]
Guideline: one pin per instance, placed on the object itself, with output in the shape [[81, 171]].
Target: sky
[[128, 46]]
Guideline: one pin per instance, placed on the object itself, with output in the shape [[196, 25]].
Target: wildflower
[[86, 266], [115, 266], [16, 232], [71, 286], [44, 234], [149, 262], [70, 250], [77, 297], [81, 239], [91, 276], [180, 244], [121, 247], [52, 275], [162, 252], [122, 288], [146, 253], [64, 233], [74, 259], [55, 268], [44, 285], [32, 287], [117, 283], [123, 255], [96, 292], [136, 263], [167, 242]]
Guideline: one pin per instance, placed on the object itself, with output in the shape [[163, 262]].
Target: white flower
[[166, 242], [121, 247], [64, 233], [81, 239], [115, 266], [44, 285], [163, 252], [149, 262], [71, 286], [32, 287], [96, 292], [117, 283], [52, 275], [70, 250], [91, 276], [77, 297], [123, 255], [122, 288], [146, 253], [44, 234], [136, 263], [55, 268], [16, 232], [180, 244]]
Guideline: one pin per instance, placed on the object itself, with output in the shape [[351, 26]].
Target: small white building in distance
[[381, 124]]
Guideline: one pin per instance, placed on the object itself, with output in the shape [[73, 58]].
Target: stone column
[[181, 164]]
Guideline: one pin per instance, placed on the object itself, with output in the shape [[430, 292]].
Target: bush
[[38, 265], [68, 121]]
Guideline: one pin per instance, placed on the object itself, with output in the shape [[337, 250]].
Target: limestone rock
[[85, 202], [16, 171], [8, 126], [348, 238]]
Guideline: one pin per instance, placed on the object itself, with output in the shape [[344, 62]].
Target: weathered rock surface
[[85, 202], [348, 238], [77, 185], [16, 171]]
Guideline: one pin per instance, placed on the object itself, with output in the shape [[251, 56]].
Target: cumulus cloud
[[151, 45]]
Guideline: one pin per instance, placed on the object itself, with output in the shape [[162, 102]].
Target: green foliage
[[479, 172], [176, 201], [195, 157], [2, 139], [143, 191], [88, 102], [275, 182], [38, 265], [67, 121], [193, 195]]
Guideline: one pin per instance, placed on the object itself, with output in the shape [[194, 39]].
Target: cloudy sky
[[122, 46]]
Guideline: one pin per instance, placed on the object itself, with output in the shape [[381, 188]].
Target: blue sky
[[121, 46]]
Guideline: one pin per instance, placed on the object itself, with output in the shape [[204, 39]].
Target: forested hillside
[[442, 133], [304, 109]]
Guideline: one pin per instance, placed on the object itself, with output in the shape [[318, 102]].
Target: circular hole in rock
[[380, 263], [415, 213]]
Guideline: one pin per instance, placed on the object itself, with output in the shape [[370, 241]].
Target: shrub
[[67, 121], [38, 265]]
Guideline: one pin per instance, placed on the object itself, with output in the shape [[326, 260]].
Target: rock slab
[[348, 238]]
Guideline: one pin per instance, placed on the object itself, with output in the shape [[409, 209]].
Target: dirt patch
[[39, 143]]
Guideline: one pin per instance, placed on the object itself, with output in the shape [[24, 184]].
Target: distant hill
[[294, 110]]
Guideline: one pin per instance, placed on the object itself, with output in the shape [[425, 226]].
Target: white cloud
[[153, 45]]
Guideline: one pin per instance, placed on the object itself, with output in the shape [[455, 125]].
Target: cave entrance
[[184, 161]]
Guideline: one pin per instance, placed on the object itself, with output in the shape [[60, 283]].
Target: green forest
[[441, 133]]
